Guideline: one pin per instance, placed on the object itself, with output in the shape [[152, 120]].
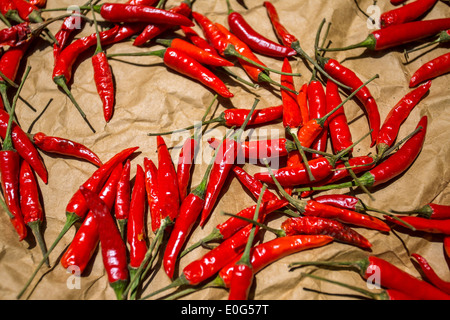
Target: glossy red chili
[[349, 78], [184, 167], [406, 13], [65, 147], [430, 274], [292, 116], [9, 10], [252, 184], [104, 82], [151, 186], [136, 233], [153, 30], [23, 145], [398, 35], [282, 33], [122, 12], [322, 226], [114, 251], [392, 277], [86, 239], [123, 198], [15, 35], [441, 226], [431, 69], [256, 41], [30, 203], [340, 134], [397, 115], [200, 42], [317, 103]]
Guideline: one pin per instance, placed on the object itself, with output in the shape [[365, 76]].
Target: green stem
[[235, 76], [237, 135], [99, 48], [5, 21], [60, 81], [71, 219], [7, 142], [35, 227], [369, 43], [302, 153], [215, 235], [39, 116], [180, 281], [159, 53], [8, 81], [265, 78], [230, 50]]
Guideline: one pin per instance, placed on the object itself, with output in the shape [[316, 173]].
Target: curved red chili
[[292, 116], [114, 251], [441, 226], [340, 134], [317, 103], [193, 37], [15, 35], [24, 146], [432, 69], [123, 198], [406, 13], [30, 203], [282, 33], [65, 147], [257, 42], [9, 10], [151, 186], [136, 233], [390, 128], [252, 184], [313, 225], [349, 78], [153, 30], [85, 241], [431, 275], [122, 12]]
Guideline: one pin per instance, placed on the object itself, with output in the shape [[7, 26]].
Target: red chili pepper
[[261, 149], [15, 35], [114, 251], [432, 69], [65, 147], [123, 198], [211, 32], [10, 173], [357, 164], [30, 203], [318, 108], [193, 37], [430, 211], [151, 185], [268, 252], [153, 30], [302, 100], [9, 10], [103, 77], [406, 13], [185, 161], [397, 35], [24, 146], [202, 56], [349, 78], [64, 34], [122, 12], [168, 194], [39, 3], [282, 33], [62, 70], [255, 40], [77, 207], [430, 274], [292, 116], [340, 135], [313, 225], [389, 130], [252, 184], [136, 233], [391, 277], [242, 277], [232, 225], [228, 154], [294, 176], [84, 243], [423, 224]]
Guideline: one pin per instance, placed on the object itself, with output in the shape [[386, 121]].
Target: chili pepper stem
[[372, 295], [8, 81], [278, 232], [122, 227], [149, 255], [296, 46], [62, 84], [71, 219], [5, 21], [235, 76], [219, 119], [368, 43], [265, 78], [367, 208], [35, 227], [360, 265], [237, 135], [302, 153], [230, 50], [178, 282], [213, 236]]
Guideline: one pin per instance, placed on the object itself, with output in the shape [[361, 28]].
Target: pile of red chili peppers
[[133, 213]]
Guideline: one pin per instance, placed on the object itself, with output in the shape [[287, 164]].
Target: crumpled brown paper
[[151, 98]]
